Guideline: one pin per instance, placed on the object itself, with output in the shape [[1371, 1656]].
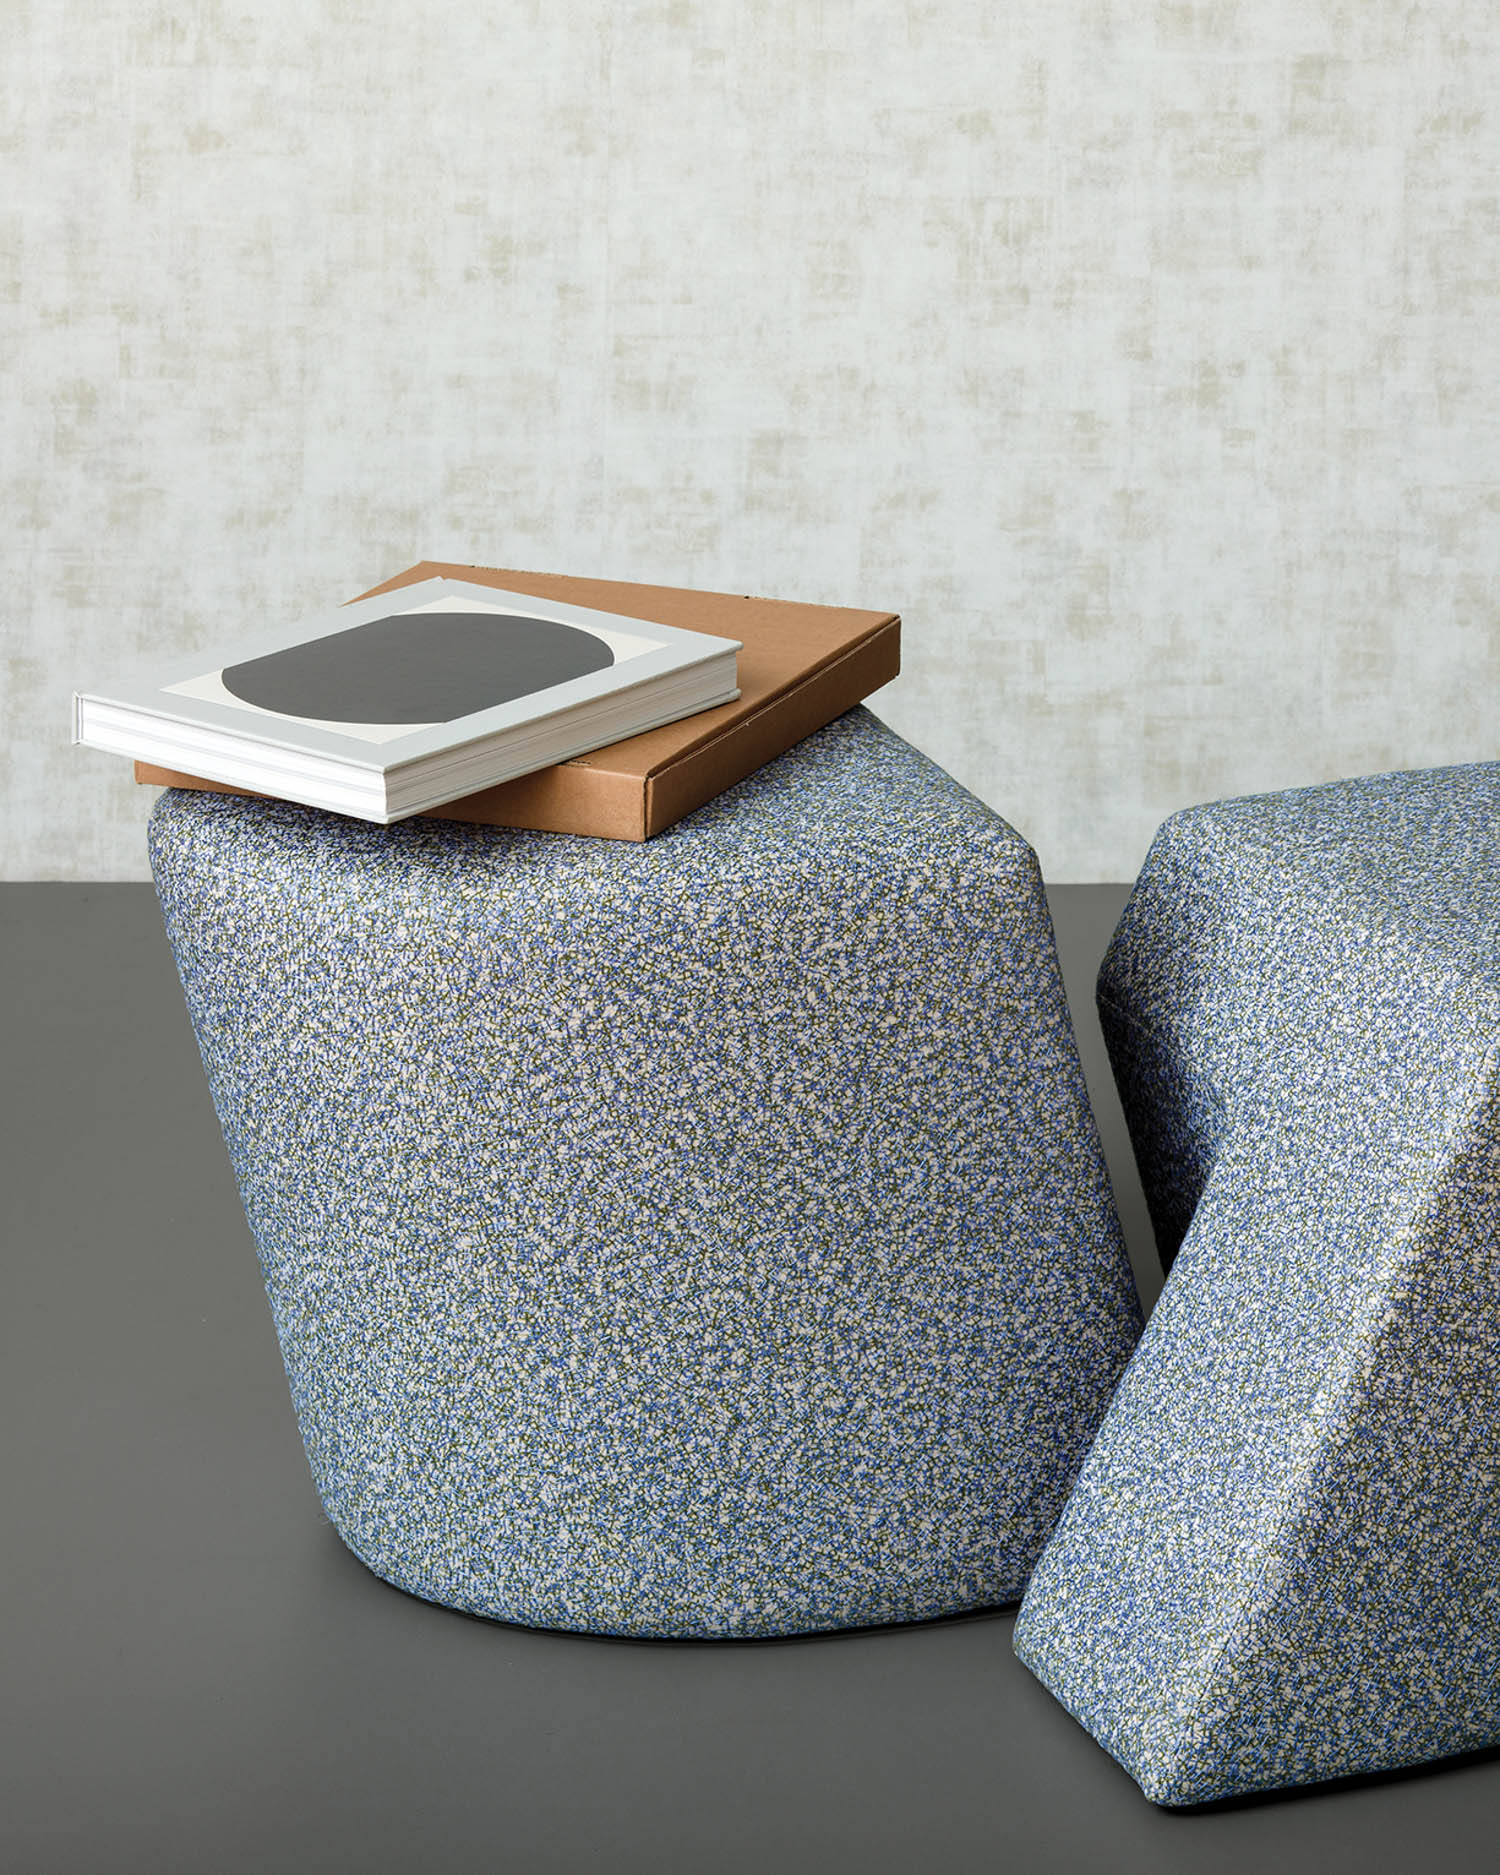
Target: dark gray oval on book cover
[[418, 667]]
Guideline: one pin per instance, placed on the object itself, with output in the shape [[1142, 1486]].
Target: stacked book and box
[[702, 726]]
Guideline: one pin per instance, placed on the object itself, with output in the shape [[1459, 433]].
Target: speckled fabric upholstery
[[1282, 1560], [705, 1237]]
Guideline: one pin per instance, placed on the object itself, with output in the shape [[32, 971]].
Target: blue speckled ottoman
[[1282, 1561], [705, 1237]]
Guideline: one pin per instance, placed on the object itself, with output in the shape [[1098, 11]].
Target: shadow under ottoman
[[704, 1237]]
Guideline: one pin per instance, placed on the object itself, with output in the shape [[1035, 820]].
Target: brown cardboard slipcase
[[801, 666]]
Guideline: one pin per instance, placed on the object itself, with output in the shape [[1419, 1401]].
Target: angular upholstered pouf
[[705, 1237], [1282, 1561]]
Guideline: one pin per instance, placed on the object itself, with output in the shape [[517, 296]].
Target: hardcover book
[[397, 704]]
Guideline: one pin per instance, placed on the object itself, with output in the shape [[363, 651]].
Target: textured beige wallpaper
[[1145, 357]]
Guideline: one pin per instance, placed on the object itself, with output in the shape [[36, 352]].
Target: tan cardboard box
[[801, 666]]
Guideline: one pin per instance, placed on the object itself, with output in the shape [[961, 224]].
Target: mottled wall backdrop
[[1143, 355]]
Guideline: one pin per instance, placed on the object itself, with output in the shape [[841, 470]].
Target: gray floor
[[197, 1676]]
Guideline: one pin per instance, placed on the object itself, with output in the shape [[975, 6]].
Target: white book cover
[[394, 705]]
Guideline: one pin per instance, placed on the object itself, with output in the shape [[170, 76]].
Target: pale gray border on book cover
[[680, 650]]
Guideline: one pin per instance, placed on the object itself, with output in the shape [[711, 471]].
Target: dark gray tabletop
[[196, 1675]]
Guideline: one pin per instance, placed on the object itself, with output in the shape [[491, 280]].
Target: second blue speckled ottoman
[[1282, 1560], [705, 1237]]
